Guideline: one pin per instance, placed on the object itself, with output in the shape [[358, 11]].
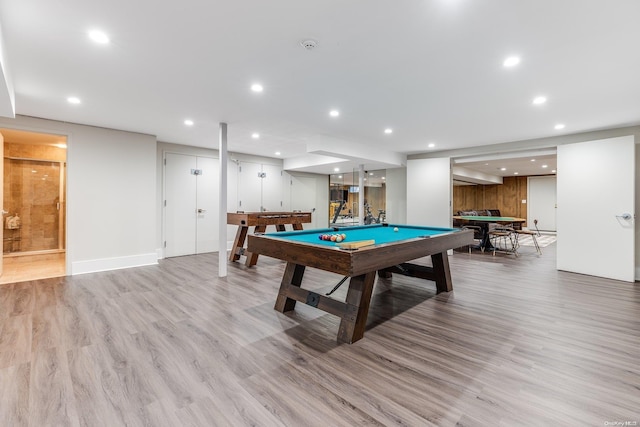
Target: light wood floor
[[516, 343], [32, 267]]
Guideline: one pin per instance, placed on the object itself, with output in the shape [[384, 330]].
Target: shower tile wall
[[32, 190]]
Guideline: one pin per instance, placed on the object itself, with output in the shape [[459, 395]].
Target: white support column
[[361, 193], [222, 203]]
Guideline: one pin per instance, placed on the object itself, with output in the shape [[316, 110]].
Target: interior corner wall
[[111, 197], [429, 189], [396, 195]]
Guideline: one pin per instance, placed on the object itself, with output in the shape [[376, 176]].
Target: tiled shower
[[34, 192]]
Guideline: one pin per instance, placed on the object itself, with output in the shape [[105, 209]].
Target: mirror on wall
[[345, 193]]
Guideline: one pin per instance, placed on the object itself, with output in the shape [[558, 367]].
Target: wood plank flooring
[[516, 343]]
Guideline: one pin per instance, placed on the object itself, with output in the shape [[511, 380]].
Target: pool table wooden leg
[[359, 296], [442, 272], [293, 274]]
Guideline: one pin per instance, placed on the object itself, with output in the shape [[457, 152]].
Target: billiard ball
[[320, 237], [338, 238], [333, 237], [395, 229]]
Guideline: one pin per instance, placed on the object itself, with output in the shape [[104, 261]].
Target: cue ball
[[395, 229], [338, 239]]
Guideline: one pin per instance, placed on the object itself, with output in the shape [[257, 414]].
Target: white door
[[207, 194], [596, 187], [271, 188], [191, 204], [180, 204], [249, 187], [542, 202], [303, 197]]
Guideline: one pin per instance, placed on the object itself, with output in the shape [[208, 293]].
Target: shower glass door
[[32, 193]]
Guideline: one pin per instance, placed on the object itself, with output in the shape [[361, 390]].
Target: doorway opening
[[34, 202]]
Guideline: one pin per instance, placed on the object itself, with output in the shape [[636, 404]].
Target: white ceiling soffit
[[7, 95], [506, 155], [358, 152], [474, 177]]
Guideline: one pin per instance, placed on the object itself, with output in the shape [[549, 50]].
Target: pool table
[[387, 251]]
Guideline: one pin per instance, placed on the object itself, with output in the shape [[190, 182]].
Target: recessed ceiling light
[[544, 166], [257, 87], [277, 153], [365, 179], [554, 171], [334, 113], [511, 61], [515, 173], [98, 37], [34, 171], [388, 131], [384, 177], [336, 169], [188, 122], [339, 176], [73, 100], [533, 160], [503, 169], [255, 135], [370, 173], [539, 100], [559, 126], [431, 145]]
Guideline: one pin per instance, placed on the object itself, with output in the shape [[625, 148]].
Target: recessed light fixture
[[383, 177], [255, 135], [559, 126], [370, 173], [188, 122], [515, 173], [539, 100], [34, 171], [334, 113], [257, 87], [388, 131], [554, 171], [73, 100], [336, 169], [511, 61], [98, 37], [533, 160], [503, 169], [277, 153], [544, 166], [365, 179], [431, 145], [340, 176]]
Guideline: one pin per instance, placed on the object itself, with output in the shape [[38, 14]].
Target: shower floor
[[32, 267]]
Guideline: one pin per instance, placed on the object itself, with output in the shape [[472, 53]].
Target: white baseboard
[[117, 263]]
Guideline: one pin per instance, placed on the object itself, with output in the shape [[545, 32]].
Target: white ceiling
[[430, 69]]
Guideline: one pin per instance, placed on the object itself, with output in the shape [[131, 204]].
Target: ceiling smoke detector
[[309, 44]]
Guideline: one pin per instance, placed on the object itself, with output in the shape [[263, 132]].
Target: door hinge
[[262, 174], [239, 168], [239, 202], [165, 243], [165, 162], [165, 203], [196, 171]]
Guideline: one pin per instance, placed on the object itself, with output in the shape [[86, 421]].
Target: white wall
[[429, 189], [396, 195], [111, 202], [322, 186]]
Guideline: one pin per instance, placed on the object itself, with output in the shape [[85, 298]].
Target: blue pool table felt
[[381, 234]]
